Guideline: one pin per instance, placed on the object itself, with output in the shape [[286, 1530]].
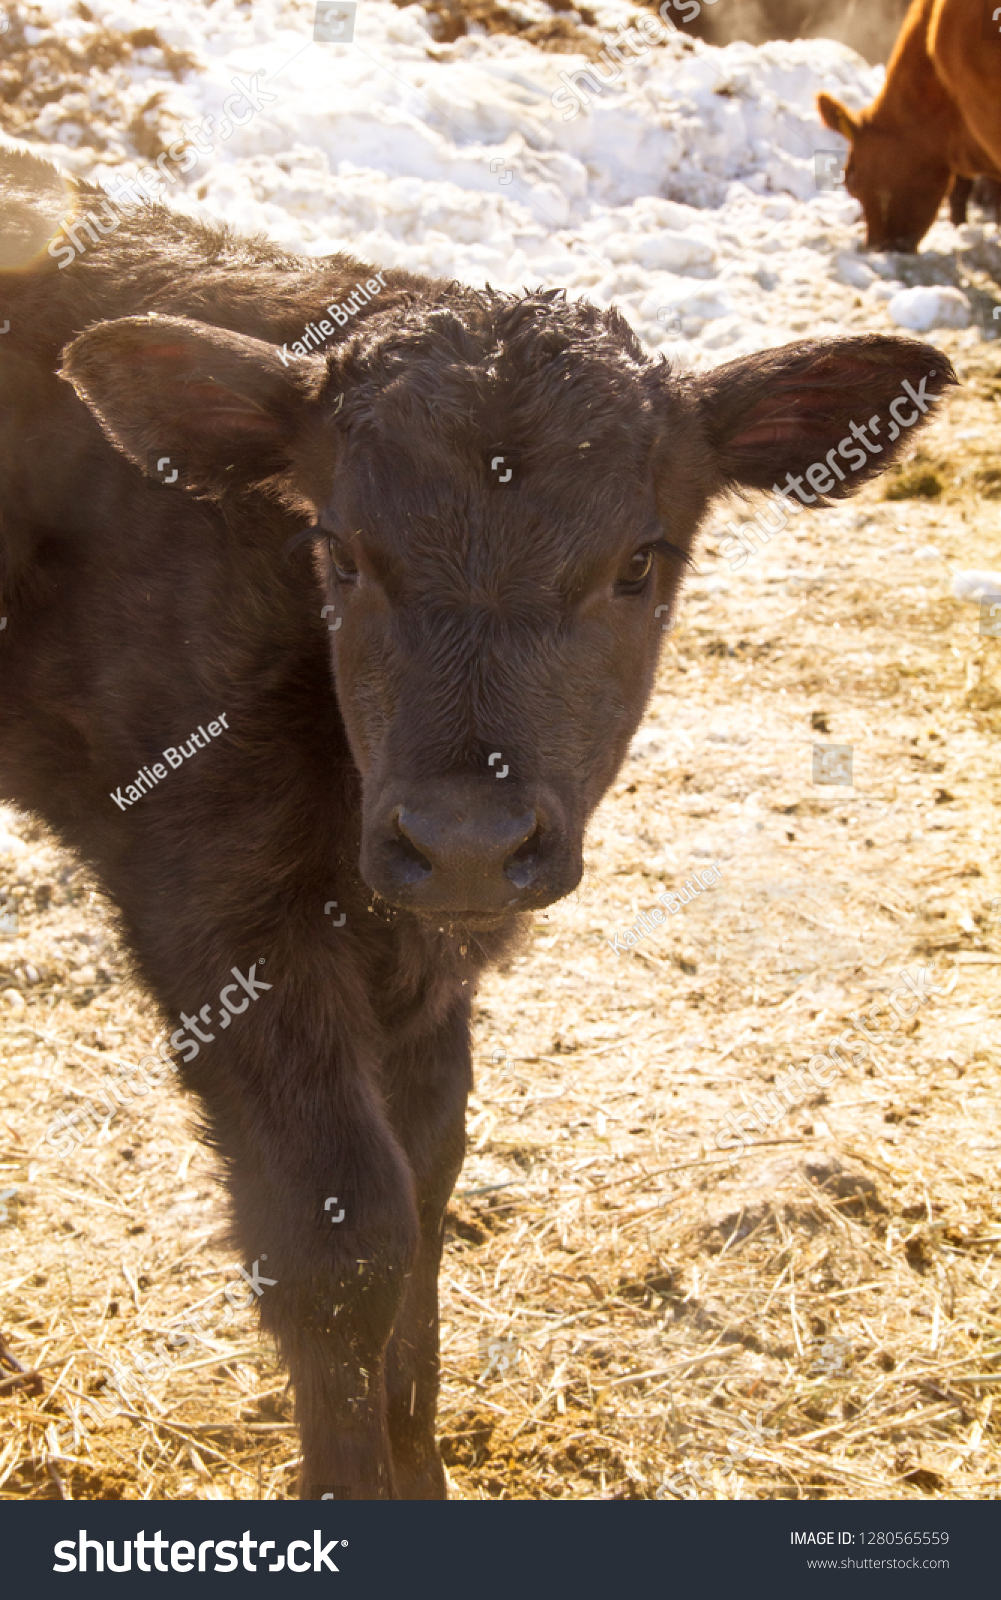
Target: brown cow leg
[[959, 199], [428, 1106]]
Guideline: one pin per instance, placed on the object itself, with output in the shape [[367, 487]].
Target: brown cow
[[939, 114]]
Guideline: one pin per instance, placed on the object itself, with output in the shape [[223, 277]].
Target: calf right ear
[[222, 408], [804, 408]]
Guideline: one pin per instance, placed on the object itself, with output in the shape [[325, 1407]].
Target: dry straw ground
[[617, 1297]]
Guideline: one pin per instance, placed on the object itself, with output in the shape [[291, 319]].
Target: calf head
[[503, 493], [896, 179]]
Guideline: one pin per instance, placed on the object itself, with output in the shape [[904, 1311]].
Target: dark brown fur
[[481, 621]]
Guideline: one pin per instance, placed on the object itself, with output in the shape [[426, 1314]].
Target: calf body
[[936, 120], [163, 450]]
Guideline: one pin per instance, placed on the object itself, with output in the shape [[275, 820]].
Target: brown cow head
[[505, 490], [899, 185]]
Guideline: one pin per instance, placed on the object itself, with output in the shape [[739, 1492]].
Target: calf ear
[[221, 407], [783, 411], [836, 116]]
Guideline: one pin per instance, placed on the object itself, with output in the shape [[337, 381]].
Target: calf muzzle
[[459, 849]]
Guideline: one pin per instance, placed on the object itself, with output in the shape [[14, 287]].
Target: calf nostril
[[411, 865], [521, 866]]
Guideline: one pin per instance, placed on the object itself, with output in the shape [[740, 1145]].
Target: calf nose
[[471, 859], [464, 853]]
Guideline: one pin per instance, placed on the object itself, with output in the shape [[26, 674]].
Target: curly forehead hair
[[518, 367]]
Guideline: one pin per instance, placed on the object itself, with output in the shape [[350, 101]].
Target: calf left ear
[[225, 408], [836, 116], [785, 411]]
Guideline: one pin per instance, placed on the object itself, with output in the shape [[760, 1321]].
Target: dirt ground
[[626, 1311]]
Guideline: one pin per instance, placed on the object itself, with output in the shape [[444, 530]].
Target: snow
[[922, 309], [853, 271], [686, 192], [974, 585]]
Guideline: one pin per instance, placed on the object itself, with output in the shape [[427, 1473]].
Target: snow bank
[[685, 191]]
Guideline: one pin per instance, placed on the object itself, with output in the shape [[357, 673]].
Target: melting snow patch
[[974, 585], [852, 271], [923, 309]]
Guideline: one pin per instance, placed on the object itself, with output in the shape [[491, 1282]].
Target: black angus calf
[[416, 708]]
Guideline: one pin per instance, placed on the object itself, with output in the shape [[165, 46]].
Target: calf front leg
[[428, 1085], [304, 1125]]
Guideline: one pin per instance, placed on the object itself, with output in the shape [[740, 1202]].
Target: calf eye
[[344, 564], [635, 572]]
